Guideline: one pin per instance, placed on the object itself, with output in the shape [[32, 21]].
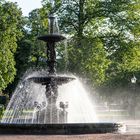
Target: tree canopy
[[102, 45], [10, 32], [116, 24]]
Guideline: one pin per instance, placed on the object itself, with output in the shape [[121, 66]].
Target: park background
[[102, 47]]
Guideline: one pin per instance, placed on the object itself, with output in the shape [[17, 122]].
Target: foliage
[[121, 40], [116, 24], [1, 111], [30, 51], [103, 40], [95, 61], [10, 32], [37, 25], [89, 60]]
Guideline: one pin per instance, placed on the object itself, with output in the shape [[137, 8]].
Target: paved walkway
[[73, 137]]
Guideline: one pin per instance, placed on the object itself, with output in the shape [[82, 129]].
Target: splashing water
[[80, 107], [21, 108], [52, 3], [29, 98], [56, 27], [53, 25], [66, 55]]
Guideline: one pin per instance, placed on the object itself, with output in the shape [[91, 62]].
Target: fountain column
[[51, 86], [52, 113], [51, 54]]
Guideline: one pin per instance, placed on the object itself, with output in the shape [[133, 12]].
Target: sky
[[27, 5]]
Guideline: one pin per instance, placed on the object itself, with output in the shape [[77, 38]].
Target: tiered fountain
[[51, 82], [50, 119]]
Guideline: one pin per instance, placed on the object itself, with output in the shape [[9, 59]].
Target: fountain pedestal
[[48, 115], [51, 113]]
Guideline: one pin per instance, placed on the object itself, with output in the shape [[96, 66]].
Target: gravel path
[[73, 137]]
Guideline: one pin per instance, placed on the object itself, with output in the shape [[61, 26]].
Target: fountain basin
[[58, 79], [59, 129]]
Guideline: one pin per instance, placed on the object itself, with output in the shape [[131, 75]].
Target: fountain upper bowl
[[52, 38]]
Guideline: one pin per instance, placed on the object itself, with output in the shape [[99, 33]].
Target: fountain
[[51, 81], [47, 117]]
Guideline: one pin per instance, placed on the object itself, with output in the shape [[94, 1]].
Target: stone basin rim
[[59, 129]]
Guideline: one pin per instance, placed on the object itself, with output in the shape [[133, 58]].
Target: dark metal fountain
[[51, 81]]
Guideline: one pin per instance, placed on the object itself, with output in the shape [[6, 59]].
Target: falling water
[[53, 21], [54, 28], [29, 98], [21, 108], [80, 107], [66, 55], [52, 3]]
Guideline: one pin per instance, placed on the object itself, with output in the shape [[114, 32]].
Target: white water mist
[[30, 97], [80, 107]]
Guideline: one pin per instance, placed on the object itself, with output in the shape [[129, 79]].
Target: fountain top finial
[[52, 37]]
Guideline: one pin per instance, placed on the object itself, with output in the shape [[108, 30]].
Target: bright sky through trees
[[27, 5]]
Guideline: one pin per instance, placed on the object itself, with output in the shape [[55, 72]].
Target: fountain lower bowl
[[58, 79], [59, 129]]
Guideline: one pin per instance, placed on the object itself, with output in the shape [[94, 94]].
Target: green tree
[[121, 39], [116, 23], [86, 53], [10, 32], [30, 51], [37, 25]]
